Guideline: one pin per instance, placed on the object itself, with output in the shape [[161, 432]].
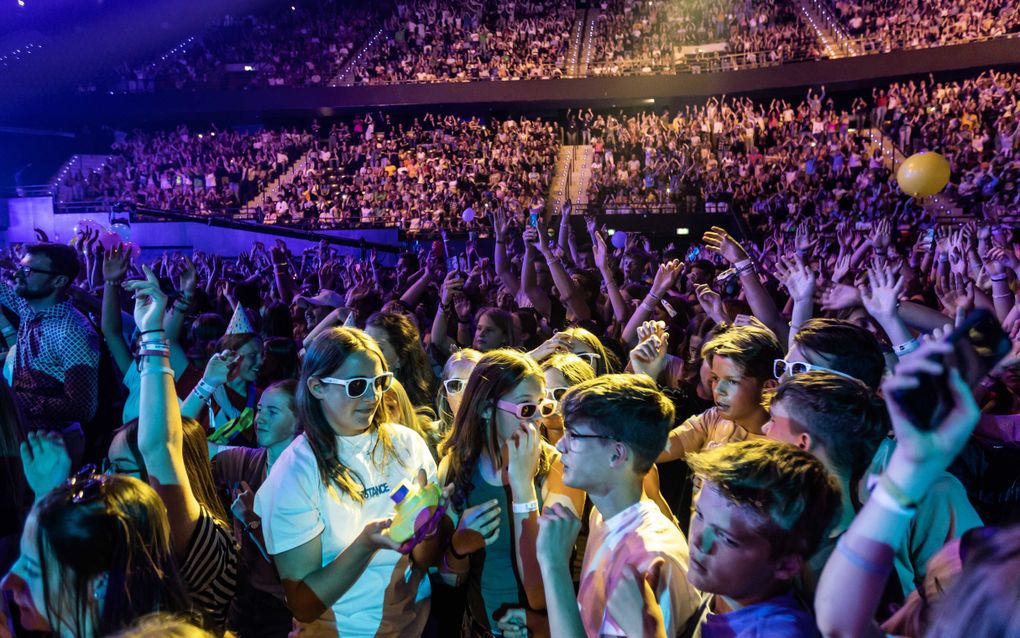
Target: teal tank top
[[493, 583]]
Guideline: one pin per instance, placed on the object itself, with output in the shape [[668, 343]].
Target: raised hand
[[720, 241], [116, 261], [803, 241], [189, 276], [600, 251], [45, 461], [500, 223], [462, 306], [666, 276], [217, 370], [452, 284], [798, 278], [840, 296], [150, 301], [649, 356], [930, 448], [881, 234], [711, 302], [842, 267], [956, 293], [881, 296]]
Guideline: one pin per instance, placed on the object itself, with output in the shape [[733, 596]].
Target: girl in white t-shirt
[[326, 505]]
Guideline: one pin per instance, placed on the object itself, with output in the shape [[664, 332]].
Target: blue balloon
[[619, 239], [122, 229]]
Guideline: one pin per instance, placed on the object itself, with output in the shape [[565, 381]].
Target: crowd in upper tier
[[759, 158], [320, 42]]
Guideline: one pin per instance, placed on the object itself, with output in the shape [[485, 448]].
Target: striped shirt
[[210, 570]]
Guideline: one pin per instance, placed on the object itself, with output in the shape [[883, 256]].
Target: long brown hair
[[498, 372], [327, 353], [124, 533], [195, 448]]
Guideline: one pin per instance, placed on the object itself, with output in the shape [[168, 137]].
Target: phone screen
[[533, 221]]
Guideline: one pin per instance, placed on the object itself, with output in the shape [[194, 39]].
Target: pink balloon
[[109, 239], [133, 250]]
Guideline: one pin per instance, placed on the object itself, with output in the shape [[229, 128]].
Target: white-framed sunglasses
[[357, 386], [592, 358], [782, 366], [556, 394], [528, 409], [454, 386]]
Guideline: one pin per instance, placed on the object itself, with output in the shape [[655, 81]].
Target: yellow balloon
[[923, 174]]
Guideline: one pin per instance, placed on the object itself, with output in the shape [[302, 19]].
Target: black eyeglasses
[[86, 485], [28, 270], [570, 437]]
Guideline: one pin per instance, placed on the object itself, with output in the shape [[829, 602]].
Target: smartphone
[[533, 220], [462, 264], [863, 225], [979, 343], [693, 253]]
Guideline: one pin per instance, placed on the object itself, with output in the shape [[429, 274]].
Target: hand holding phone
[[977, 345]]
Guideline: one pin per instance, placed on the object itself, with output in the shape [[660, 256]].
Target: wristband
[[860, 561], [149, 332], [906, 347], [1002, 296], [654, 296], [896, 493], [744, 263], [999, 277], [669, 309], [205, 387], [112, 283], [525, 508], [645, 306]]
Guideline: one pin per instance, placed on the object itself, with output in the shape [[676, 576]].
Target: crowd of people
[[911, 24], [635, 36], [808, 157], [421, 175], [215, 172], [466, 40], [776, 433], [973, 122], [300, 44], [308, 43]]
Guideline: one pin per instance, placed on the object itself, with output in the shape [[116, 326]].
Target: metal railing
[[26, 190]]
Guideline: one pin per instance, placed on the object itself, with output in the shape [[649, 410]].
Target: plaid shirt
[[56, 366]]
